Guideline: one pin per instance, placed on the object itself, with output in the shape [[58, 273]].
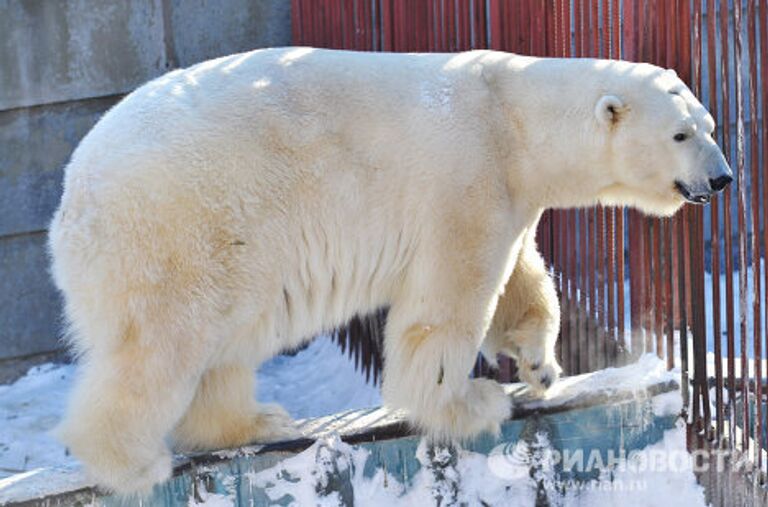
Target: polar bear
[[225, 212]]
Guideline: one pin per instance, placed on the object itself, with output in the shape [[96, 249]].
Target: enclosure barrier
[[692, 288]]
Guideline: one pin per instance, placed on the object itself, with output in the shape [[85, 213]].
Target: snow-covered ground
[[318, 380]]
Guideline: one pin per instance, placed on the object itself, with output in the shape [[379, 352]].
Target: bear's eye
[[680, 137]]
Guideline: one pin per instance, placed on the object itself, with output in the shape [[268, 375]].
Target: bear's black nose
[[720, 182]]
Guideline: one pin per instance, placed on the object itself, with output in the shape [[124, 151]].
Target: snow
[[658, 473], [319, 380], [29, 408], [302, 383], [648, 477], [647, 371]]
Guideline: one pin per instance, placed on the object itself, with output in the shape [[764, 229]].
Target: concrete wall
[[62, 65]]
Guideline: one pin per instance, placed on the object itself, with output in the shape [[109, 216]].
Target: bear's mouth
[[696, 198]]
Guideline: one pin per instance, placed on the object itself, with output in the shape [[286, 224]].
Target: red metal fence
[[692, 288]]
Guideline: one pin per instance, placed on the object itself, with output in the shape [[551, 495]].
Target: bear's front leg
[[427, 371], [527, 320], [433, 335]]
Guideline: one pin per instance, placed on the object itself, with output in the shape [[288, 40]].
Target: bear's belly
[[314, 284]]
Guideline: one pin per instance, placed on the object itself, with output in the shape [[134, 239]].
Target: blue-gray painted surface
[[608, 429]]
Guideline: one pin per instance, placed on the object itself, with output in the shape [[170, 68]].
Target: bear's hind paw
[[273, 424]]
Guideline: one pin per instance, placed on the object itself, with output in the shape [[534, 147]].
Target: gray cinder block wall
[[62, 65]]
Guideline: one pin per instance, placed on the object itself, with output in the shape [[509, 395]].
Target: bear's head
[[660, 141]]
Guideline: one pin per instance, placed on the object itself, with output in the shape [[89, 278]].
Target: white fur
[[227, 211]]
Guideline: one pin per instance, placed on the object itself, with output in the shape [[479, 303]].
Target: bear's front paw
[[482, 408], [539, 375], [533, 346]]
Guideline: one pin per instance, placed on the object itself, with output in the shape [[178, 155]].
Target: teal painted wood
[[604, 431]]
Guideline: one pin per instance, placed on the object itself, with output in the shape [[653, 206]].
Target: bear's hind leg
[[125, 403], [224, 413]]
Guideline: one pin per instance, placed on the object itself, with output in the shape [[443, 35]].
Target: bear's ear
[[609, 110]]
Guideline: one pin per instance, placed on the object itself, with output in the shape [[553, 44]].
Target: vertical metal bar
[[727, 229], [755, 206], [566, 336], [637, 237], [715, 225], [398, 26], [583, 351], [578, 27], [595, 28], [444, 41], [386, 25], [553, 29], [658, 287], [481, 24], [368, 31], [467, 25], [536, 26], [683, 66], [668, 288], [333, 35], [665, 37], [647, 313], [610, 213], [495, 17], [557, 271], [697, 271], [310, 26], [742, 217], [681, 262], [764, 143], [629, 45], [573, 319], [610, 254], [511, 26], [600, 335], [605, 40], [636, 279], [458, 25], [615, 52], [629, 31], [591, 289], [450, 25]]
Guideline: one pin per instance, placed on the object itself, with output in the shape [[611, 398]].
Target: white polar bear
[[222, 213]]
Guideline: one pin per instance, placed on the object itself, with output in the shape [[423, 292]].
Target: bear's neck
[[556, 148]]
